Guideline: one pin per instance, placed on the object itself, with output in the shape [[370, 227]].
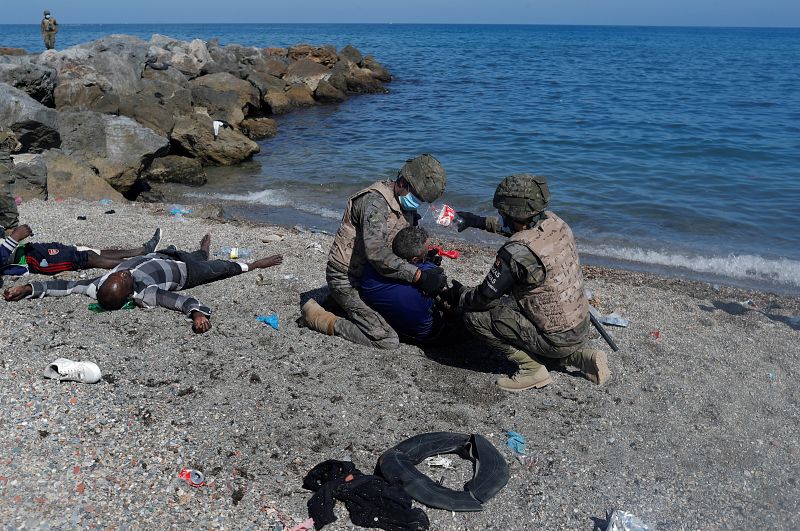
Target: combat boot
[[531, 374], [317, 318], [593, 364]]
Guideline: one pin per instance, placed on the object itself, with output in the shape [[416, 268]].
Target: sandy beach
[[699, 428]]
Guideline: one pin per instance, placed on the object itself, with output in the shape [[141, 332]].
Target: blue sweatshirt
[[405, 308], [7, 265]]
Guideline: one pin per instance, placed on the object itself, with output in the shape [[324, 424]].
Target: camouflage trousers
[[363, 325], [9, 216], [49, 39], [509, 331]]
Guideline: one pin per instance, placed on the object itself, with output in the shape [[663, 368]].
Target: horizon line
[[699, 26]]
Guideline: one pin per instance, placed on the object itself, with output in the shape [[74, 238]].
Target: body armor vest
[[559, 304], [347, 252]]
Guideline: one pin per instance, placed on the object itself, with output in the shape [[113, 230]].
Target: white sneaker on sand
[[73, 371]]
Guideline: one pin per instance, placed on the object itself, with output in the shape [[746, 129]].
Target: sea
[[674, 150]]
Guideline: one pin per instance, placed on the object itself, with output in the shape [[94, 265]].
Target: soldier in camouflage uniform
[[540, 269], [49, 28], [9, 217], [371, 220]]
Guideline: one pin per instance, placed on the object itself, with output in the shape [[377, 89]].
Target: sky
[[778, 13]]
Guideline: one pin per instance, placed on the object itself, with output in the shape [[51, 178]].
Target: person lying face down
[[410, 312], [17, 258], [150, 281]]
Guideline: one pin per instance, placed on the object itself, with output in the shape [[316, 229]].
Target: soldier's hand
[[21, 232], [433, 257], [431, 281], [468, 219]]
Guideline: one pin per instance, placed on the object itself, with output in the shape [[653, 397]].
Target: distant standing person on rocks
[[540, 269], [150, 281], [49, 28], [371, 220], [9, 216]]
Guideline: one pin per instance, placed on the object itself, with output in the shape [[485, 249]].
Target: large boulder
[[116, 146], [350, 53], [194, 135], [266, 83], [225, 96], [300, 95], [176, 169], [327, 93], [378, 71], [35, 80], [4, 50], [277, 102], [306, 71], [30, 176], [36, 126], [324, 55], [67, 177], [259, 128], [157, 104]]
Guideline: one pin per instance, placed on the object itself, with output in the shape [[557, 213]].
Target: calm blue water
[[669, 147]]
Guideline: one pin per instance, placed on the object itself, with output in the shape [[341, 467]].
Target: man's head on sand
[[115, 290], [411, 244]]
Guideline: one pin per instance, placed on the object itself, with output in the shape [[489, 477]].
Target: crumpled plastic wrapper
[[625, 521]]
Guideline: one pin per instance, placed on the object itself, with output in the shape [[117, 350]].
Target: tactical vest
[[347, 252], [48, 25], [559, 304]]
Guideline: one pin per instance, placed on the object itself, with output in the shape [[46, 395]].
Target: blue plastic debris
[[105, 201], [271, 320], [516, 442]]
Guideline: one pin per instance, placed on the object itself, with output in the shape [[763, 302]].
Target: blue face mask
[[409, 202]]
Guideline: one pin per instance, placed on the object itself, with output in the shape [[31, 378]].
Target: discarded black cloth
[[370, 500], [490, 471]]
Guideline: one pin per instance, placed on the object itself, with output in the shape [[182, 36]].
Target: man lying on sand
[[539, 267], [17, 258], [150, 281]]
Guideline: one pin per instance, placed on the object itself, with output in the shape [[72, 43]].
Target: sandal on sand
[[73, 371]]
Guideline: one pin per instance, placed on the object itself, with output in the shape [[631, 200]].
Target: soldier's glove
[[468, 219], [452, 295], [433, 257], [431, 281]]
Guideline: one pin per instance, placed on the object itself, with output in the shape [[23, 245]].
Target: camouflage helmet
[[522, 195], [46, 12], [426, 175]]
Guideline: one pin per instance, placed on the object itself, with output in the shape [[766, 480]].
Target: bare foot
[[205, 243], [266, 262]]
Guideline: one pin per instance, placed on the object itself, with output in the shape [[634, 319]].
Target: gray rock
[[259, 128], [176, 169], [35, 125], [116, 146], [31, 176], [300, 95], [351, 54], [35, 80], [225, 96], [67, 177], [194, 135], [157, 104], [266, 83], [379, 72], [4, 50], [307, 71], [327, 93]]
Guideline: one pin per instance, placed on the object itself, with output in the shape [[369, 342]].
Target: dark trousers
[[200, 270]]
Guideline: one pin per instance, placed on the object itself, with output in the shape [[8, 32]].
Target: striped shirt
[[155, 279]]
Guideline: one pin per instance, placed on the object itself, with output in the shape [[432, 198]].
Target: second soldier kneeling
[[540, 269]]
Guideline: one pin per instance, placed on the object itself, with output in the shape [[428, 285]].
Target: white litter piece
[[440, 461], [316, 246], [625, 521], [614, 319]]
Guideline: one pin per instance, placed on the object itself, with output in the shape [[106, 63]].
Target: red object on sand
[[655, 334], [194, 478], [452, 254]]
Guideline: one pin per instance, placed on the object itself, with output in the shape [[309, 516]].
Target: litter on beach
[[516, 442], [614, 319], [271, 320], [445, 216], [439, 461], [316, 246], [65, 370], [195, 478], [625, 521]]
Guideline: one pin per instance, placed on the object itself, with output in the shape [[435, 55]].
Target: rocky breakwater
[[107, 119]]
